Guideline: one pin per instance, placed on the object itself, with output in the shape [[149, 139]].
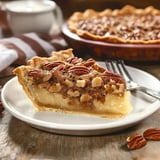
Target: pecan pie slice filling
[[71, 84]]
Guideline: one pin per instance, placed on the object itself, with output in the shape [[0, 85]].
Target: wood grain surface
[[20, 141]]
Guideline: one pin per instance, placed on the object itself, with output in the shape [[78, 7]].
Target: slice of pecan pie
[[126, 25], [68, 83]]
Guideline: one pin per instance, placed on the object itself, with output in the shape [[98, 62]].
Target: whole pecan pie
[[67, 83], [126, 25]]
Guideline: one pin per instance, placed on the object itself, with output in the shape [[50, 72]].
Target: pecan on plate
[[136, 141], [152, 134]]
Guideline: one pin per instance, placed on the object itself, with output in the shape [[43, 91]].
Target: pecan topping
[[136, 141], [73, 93], [98, 68], [81, 83], [58, 75], [97, 82], [107, 76], [74, 60], [85, 98], [128, 27], [89, 62], [79, 70], [55, 87], [47, 77], [49, 66], [68, 83], [36, 74], [152, 134], [76, 78]]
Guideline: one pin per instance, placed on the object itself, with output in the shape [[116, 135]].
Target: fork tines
[[118, 66]]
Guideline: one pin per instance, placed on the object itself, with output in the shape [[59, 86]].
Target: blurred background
[[70, 6]]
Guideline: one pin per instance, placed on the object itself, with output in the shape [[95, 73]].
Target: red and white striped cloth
[[17, 50]]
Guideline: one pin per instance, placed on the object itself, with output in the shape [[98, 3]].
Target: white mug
[[43, 16]]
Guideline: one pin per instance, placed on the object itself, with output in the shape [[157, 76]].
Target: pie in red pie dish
[[128, 25]]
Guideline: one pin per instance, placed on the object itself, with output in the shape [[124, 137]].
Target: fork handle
[[151, 92]]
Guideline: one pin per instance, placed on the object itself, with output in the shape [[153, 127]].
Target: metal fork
[[118, 66]]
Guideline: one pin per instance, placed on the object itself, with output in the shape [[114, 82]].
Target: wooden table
[[19, 141]]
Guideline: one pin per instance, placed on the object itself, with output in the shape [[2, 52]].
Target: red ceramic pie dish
[[102, 50]]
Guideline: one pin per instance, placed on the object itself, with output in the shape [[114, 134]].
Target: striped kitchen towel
[[17, 50]]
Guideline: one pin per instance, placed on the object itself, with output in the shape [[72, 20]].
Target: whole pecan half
[[152, 134], [107, 75], [39, 75], [36, 74], [74, 60], [79, 70], [136, 141], [51, 65], [89, 62]]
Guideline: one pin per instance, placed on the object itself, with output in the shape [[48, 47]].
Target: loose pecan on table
[[152, 134], [136, 141]]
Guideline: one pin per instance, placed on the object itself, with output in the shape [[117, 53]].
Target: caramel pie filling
[[77, 79], [133, 27]]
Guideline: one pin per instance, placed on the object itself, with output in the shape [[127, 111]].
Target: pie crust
[[126, 25], [67, 83]]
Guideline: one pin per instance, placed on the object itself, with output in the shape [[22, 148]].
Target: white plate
[[16, 102]]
